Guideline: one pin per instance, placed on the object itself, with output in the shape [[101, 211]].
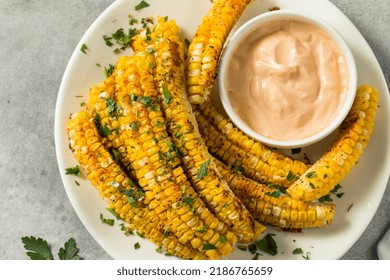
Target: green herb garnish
[[167, 95], [275, 193], [142, 5], [268, 245], [311, 175], [208, 246], [297, 251], [290, 176], [203, 170], [73, 171], [84, 48], [110, 222], [108, 71]]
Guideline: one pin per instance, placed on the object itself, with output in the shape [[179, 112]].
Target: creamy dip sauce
[[288, 80]]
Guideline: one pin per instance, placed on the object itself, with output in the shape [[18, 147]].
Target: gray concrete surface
[[37, 39]]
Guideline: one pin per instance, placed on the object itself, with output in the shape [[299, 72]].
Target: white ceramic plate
[[363, 187]]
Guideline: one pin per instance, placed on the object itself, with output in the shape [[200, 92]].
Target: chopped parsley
[[297, 251], [111, 106], [146, 100], [109, 222], [115, 154], [84, 48], [209, 246], [132, 20], [167, 95], [290, 176], [142, 5], [108, 39], [112, 211], [104, 130], [202, 230], [131, 198], [134, 126], [326, 198], [275, 193], [311, 175], [268, 245], [137, 246], [256, 256], [108, 71], [166, 231], [203, 170], [238, 170], [73, 171]]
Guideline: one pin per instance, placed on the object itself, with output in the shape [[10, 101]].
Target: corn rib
[[206, 47], [270, 205], [231, 146], [343, 154], [156, 163], [169, 78], [121, 194]]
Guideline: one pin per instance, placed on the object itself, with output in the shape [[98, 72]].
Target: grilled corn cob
[[258, 162], [206, 47], [156, 163], [122, 195], [270, 205], [169, 78], [343, 154]]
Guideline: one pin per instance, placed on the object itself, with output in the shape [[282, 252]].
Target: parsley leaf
[[268, 245], [290, 176], [141, 5], [108, 71], [111, 106], [276, 193], [203, 170], [209, 246], [167, 95], [202, 230], [70, 250], [311, 175], [38, 249], [109, 222], [104, 130], [297, 251], [84, 48], [325, 198], [73, 171]]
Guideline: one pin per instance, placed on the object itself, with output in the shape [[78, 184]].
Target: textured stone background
[[37, 39]]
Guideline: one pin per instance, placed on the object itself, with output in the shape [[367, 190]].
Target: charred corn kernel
[[124, 198], [269, 205], [332, 167], [169, 78], [155, 157], [206, 47], [234, 148]]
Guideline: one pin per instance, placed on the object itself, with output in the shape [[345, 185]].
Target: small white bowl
[[240, 36]]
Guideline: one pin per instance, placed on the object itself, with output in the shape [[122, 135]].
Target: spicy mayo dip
[[287, 80]]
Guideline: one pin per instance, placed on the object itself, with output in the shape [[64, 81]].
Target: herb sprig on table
[[39, 249]]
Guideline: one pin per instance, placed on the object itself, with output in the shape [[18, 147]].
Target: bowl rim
[[253, 24]]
